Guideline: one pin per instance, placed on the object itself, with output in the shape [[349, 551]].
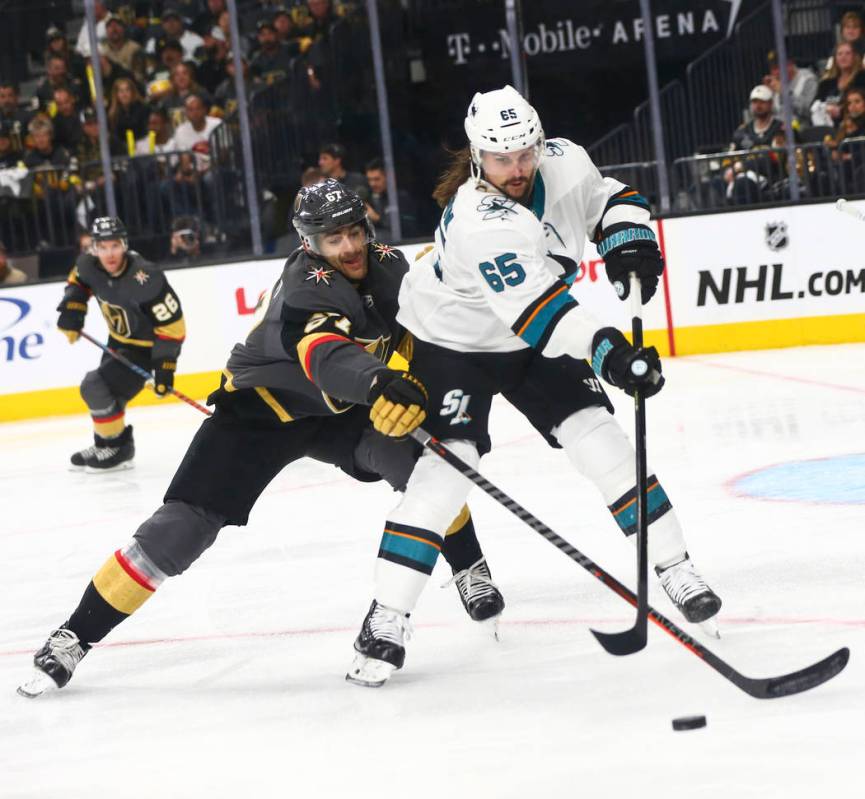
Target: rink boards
[[736, 281]]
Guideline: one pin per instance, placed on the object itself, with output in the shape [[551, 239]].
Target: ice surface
[[229, 682]]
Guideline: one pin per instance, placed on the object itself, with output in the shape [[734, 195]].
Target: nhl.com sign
[[698, 25]]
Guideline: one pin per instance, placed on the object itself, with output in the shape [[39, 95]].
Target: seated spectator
[[185, 245], [208, 19], [160, 134], [226, 92], [174, 28], [45, 152], [331, 159], [56, 77], [183, 86], [853, 32], [121, 50], [377, 205], [288, 33], [225, 27], [67, 120], [802, 86], [127, 111], [159, 78], [194, 134], [15, 117], [272, 61], [83, 43], [52, 179], [853, 122], [9, 275], [311, 175], [846, 72], [763, 127], [85, 242], [10, 156], [56, 44], [212, 70]]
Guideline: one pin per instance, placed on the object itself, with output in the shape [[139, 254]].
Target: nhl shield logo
[[776, 236]]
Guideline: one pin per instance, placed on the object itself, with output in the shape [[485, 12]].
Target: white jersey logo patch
[[456, 403]]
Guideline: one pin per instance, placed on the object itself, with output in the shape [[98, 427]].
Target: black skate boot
[[79, 459], [689, 593], [112, 454], [380, 646], [479, 594], [54, 663]]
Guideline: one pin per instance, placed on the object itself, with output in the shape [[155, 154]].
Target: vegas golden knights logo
[[116, 318]]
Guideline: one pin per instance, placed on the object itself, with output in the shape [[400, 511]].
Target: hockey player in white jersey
[[491, 312]]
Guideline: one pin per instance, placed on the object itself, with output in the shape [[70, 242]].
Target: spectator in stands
[[159, 78], [56, 44], [185, 240], [127, 111], [56, 77], [173, 28], [111, 73], [377, 205], [160, 134], [121, 50], [311, 175], [226, 92], [331, 160], [10, 156], [322, 17], [16, 118], [802, 86], [273, 60], [845, 72], [83, 43], [212, 70], [52, 181], [45, 152], [85, 242], [763, 127], [183, 86], [91, 176], [853, 31], [287, 32], [194, 134], [67, 120], [853, 122], [9, 275], [208, 19]]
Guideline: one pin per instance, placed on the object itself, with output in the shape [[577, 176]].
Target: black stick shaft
[[143, 373]]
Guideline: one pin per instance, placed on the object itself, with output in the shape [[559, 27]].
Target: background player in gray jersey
[[299, 386], [145, 323]]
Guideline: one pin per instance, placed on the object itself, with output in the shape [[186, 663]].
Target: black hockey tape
[[689, 722]]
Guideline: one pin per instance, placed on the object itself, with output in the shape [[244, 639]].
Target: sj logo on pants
[[456, 404]]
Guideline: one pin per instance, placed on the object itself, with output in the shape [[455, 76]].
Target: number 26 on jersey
[[504, 271]]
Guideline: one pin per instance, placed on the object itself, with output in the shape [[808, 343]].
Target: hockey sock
[[461, 548], [109, 425], [406, 559], [124, 583], [600, 450]]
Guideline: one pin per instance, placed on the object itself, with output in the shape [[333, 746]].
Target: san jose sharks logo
[[319, 274], [384, 251]]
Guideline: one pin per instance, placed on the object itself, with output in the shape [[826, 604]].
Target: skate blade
[[37, 685], [121, 467], [369, 672], [492, 627], [710, 628]]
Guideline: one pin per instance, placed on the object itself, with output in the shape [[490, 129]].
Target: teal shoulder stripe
[[539, 195]]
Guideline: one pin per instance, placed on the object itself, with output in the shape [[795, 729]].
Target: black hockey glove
[[163, 376], [624, 366], [398, 402], [71, 319], [628, 248]]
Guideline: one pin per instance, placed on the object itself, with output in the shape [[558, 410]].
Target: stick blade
[[797, 681], [624, 643]]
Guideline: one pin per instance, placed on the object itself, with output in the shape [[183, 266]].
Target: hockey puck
[[689, 722]]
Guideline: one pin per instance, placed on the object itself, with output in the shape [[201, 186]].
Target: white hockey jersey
[[499, 276]]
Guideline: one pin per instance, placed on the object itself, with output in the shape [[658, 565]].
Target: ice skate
[[54, 663], [479, 594], [380, 646], [111, 454], [688, 591]]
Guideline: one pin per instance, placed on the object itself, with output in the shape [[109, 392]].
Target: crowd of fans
[[168, 85], [827, 110]]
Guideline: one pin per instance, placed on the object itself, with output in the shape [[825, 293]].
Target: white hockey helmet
[[501, 121]]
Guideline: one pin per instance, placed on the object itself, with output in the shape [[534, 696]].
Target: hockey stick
[[634, 639], [765, 688], [144, 373]]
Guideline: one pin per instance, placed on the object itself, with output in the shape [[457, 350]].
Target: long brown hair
[[833, 71], [114, 107], [456, 173]]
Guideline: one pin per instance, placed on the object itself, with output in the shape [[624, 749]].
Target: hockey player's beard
[[518, 189]]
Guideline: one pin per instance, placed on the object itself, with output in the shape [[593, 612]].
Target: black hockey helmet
[[326, 206], [107, 228]]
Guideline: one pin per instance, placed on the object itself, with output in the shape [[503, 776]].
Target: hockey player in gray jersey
[[491, 312], [301, 385], [145, 323]]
